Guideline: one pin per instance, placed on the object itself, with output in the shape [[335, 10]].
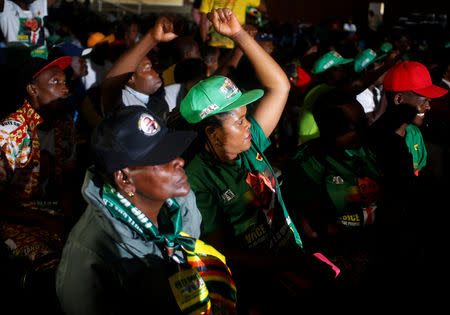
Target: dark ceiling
[[315, 11]]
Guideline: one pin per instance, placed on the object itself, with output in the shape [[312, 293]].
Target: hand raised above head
[[163, 30], [225, 22]]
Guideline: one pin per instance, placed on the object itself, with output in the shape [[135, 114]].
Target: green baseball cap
[[214, 95], [364, 59], [328, 60], [384, 49]]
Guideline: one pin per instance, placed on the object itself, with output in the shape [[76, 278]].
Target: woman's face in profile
[[161, 182], [234, 137]]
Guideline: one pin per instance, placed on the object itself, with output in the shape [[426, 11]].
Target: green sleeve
[[205, 197], [211, 214], [307, 127], [416, 146]]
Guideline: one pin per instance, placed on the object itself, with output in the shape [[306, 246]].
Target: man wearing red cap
[[409, 89], [45, 89], [35, 156]]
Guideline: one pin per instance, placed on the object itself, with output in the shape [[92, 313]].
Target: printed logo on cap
[[148, 125], [369, 59], [328, 64], [337, 55], [365, 62], [228, 88], [208, 110]]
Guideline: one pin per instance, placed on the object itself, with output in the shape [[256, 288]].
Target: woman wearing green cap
[[236, 189]]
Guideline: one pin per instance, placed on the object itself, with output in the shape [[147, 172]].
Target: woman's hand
[[225, 22], [163, 30]]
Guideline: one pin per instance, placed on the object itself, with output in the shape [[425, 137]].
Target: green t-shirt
[[307, 126], [228, 203], [344, 186], [416, 146]]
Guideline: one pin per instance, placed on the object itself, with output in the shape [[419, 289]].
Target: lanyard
[[289, 222], [122, 209]]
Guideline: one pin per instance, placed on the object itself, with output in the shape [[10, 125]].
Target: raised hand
[[225, 22], [163, 30]]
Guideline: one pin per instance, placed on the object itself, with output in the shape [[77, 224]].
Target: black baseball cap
[[135, 136]]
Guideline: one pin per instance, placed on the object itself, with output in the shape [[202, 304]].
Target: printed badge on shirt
[[188, 288], [31, 33]]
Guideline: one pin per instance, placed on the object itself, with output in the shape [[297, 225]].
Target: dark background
[[314, 11]]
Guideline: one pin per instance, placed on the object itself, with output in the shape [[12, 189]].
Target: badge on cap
[[228, 88], [148, 125]]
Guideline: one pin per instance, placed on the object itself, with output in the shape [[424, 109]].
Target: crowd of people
[[219, 163]]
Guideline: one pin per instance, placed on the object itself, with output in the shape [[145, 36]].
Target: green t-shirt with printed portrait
[[345, 185], [242, 198]]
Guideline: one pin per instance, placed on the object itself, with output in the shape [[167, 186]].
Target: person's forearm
[[204, 23], [273, 79], [129, 61]]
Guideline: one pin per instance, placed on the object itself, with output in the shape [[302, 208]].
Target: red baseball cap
[[412, 76], [299, 77], [62, 63]]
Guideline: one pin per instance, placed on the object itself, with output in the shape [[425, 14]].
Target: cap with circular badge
[[216, 94], [134, 136]]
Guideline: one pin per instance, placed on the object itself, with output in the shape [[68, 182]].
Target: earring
[[131, 194]]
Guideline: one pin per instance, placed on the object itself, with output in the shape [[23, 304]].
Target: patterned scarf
[[29, 119]]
